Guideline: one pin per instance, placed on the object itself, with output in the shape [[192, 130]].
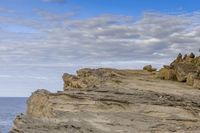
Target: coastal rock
[[190, 78], [127, 101], [182, 70], [196, 83], [149, 68], [72, 81], [167, 74], [192, 55], [197, 61], [37, 104], [185, 69], [91, 78], [179, 57]]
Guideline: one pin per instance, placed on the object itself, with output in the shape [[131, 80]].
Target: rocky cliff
[[113, 101]]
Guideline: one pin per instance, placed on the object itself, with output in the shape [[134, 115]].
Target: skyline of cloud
[[101, 37]]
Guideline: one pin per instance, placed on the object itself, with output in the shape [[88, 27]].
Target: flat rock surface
[[137, 103]]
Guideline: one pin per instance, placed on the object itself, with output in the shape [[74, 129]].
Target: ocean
[[9, 108]]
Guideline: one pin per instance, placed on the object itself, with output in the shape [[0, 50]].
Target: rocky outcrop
[[92, 78], [191, 77], [185, 69], [167, 74], [196, 83], [149, 68], [112, 101]]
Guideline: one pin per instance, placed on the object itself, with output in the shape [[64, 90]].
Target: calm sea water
[[9, 108]]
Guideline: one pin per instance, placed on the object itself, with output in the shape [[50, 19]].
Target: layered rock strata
[[112, 101]]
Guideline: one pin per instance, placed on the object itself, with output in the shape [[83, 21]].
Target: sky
[[42, 39]]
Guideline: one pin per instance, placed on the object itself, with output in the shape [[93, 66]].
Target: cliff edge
[[113, 101]]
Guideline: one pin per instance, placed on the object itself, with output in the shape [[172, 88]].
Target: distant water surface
[[9, 108]]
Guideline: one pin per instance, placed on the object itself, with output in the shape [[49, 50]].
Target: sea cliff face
[[113, 101]]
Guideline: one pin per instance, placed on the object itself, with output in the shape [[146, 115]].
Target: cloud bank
[[59, 40], [35, 52]]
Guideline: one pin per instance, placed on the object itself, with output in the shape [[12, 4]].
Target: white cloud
[[38, 51], [59, 39]]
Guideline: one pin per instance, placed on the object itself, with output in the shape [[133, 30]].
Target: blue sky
[[88, 8], [42, 39]]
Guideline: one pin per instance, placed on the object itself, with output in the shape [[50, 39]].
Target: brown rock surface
[[167, 74], [196, 83], [190, 78], [183, 68], [128, 101], [149, 68], [91, 78]]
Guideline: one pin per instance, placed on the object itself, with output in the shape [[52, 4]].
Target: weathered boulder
[[196, 83], [185, 56], [37, 104], [183, 69], [167, 74], [179, 57], [186, 69], [177, 60], [192, 55], [190, 78], [197, 61], [149, 68], [189, 60]]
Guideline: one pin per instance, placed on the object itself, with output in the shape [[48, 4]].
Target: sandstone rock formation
[[113, 101], [149, 68], [182, 69], [92, 78], [167, 74], [196, 83]]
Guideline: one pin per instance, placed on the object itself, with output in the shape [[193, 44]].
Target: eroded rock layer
[[183, 69], [92, 78], [113, 101]]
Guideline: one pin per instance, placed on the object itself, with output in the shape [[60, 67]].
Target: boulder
[[177, 60], [167, 74], [196, 83], [183, 69], [192, 55], [37, 104], [185, 56], [190, 78], [149, 68], [197, 61], [189, 60], [179, 57]]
